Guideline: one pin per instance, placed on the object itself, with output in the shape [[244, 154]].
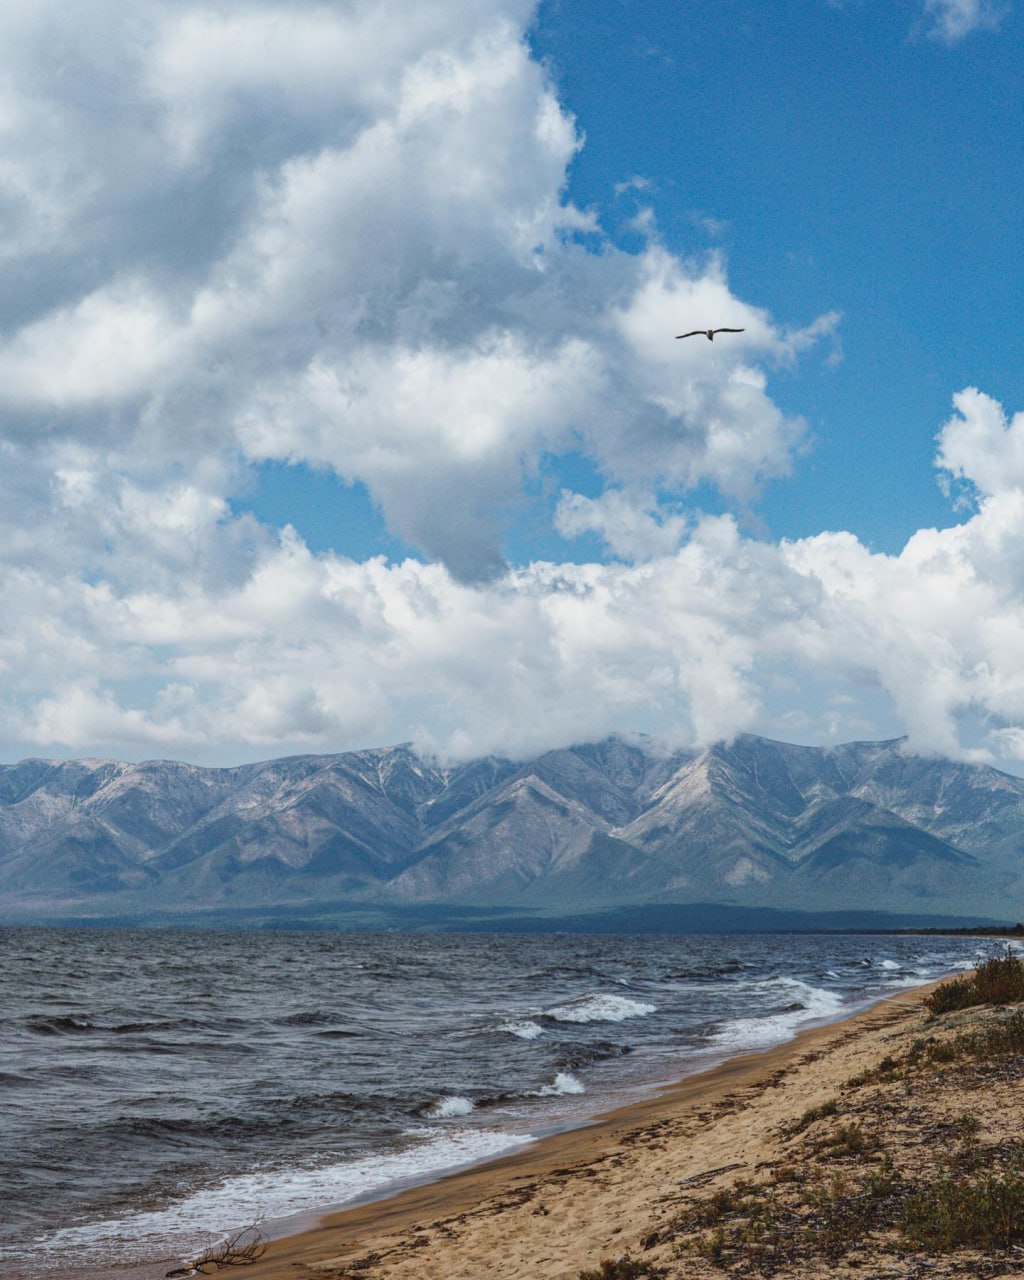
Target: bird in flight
[[708, 333]]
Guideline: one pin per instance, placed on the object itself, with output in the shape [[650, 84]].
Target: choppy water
[[160, 1088]]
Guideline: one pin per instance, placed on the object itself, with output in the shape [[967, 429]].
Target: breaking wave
[[599, 1008], [447, 1108], [563, 1083], [523, 1029]]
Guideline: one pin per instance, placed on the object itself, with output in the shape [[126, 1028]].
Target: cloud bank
[[340, 236]]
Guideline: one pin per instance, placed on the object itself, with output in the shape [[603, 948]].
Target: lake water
[[160, 1088]]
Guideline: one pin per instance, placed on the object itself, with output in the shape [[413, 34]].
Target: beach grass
[[856, 1187]]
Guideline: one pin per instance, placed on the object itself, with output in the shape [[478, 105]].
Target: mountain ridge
[[752, 822]]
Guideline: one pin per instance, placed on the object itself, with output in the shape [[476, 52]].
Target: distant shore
[[646, 1182]]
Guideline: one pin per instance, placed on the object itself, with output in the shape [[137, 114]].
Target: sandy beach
[[800, 1161]]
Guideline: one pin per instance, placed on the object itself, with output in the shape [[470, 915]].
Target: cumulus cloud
[[340, 236], [633, 525], [980, 446], [952, 20]]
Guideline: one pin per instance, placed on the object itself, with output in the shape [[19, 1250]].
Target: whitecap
[[809, 1004], [563, 1083], [600, 1008], [447, 1107], [524, 1029]]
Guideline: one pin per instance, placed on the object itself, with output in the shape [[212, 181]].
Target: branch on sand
[[241, 1249]]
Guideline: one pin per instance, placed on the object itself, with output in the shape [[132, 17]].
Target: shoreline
[[649, 1093], [397, 1220], [155, 1234]]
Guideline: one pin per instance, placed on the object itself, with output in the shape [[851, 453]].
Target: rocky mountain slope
[[754, 823]]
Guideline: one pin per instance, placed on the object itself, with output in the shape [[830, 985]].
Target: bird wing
[[692, 334], [729, 331]]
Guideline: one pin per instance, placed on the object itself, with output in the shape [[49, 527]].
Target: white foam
[[565, 1082], [600, 1008], [815, 1004], [525, 1030], [447, 1107], [889, 964], [204, 1218]]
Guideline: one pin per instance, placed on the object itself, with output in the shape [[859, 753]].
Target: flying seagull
[[708, 333]]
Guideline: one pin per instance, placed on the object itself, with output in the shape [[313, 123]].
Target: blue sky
[[340, 403]]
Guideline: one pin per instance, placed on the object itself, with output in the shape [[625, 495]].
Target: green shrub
[[625, 1268], [968, 1126], [957, 993], [998, 980], [850, 1140], [1001, 979], [986, 1211]]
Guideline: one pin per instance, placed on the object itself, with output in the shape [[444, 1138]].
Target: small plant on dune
[[1001, 979], [841, 1216], [625, 1268], [773, 1226], [968, 1126], [888, 1069], [1003, 1035], [1006, 1035], [810, 1116], [849, 1140], [986, 1211]]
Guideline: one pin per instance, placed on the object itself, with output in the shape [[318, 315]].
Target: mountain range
[[753, 823]]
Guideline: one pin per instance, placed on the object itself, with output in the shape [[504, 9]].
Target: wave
[[42, 1025], [779, 1021], [703, 973], [308, 1018], [71, 1024], [148, 1028], [181, 1226], [447, 1108], [523, 1028], [297, 1115], [564, 1083], [599, 1008]]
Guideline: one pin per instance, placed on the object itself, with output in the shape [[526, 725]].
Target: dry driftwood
[[239, 1250]]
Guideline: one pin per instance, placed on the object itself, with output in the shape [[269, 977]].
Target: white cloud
[[979, 445], [952, 20], [340, 236], [317, 652], [696, 641], [631, 524]]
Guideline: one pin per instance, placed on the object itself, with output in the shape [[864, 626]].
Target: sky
[[341, 403]]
